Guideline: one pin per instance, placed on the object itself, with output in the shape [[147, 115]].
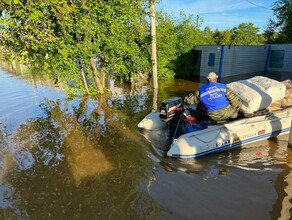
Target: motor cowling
[[170, 108]]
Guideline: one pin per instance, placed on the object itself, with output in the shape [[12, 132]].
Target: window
[[277, 58], [211, 59]]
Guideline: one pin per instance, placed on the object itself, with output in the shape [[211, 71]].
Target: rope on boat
[[177, 127]]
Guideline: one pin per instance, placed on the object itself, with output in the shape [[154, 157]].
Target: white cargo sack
[[257, 93]]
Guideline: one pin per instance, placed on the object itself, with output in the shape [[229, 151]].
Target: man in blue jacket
[[219, 102]]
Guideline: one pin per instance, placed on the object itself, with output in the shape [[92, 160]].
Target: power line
[[259, 5]]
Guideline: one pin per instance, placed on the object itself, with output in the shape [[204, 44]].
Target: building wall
[[241, 62], [287, 60], [206, 50]]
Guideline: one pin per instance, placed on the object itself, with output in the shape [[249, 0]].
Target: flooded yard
[[76, 158]]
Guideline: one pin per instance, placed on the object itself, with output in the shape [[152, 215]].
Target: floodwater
[[63, 158]]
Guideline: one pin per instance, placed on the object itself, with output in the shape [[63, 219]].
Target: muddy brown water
[[64, 158]]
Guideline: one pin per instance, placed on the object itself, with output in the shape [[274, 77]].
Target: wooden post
[[155, 95], [154, 54], [290, 136]]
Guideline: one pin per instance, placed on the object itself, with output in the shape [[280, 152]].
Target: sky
[[222, 14]]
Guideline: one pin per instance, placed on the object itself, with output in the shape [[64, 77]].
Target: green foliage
[[279, 30], [67, 34], [175, 38], [243, 34], [166, 45], [208, 36], [246, 34], [63, 36], [223, 37]]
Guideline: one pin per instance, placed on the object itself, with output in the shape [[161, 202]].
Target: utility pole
[[153, 35]]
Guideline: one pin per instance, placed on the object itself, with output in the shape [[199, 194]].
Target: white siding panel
[[239, 60], [244, 59]]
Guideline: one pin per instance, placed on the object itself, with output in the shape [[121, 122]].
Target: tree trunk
[[153, 35], [102, 72], [155, 96], [84, 80], [96, 77]]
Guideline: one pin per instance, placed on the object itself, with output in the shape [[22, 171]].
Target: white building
[[239, 62]]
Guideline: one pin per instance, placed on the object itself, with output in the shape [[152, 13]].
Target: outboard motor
[[179, 120], [170, 108], [171, 112]]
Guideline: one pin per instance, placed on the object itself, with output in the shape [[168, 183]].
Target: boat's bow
[[152, 122]]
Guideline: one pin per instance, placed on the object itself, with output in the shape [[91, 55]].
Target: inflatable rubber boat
[[202, 137]]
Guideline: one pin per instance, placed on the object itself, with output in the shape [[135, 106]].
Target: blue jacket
[[213, 96]]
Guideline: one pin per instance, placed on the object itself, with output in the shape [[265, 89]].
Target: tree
[[279, 30], [271, 34], [188, 33], [166, 48], [223, 37], [78, 39], [246, 34], [176, 37], [208, 36]]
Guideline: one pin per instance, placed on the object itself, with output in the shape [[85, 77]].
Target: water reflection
[[256, 176], [34, 78], [71, 163], [83, 155]]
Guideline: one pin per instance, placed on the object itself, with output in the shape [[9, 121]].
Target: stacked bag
[[284, 102], [258, 93]]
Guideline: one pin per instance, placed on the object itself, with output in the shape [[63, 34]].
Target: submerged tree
[[79, 40]]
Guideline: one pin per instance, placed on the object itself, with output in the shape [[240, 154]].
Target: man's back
[[213, 96]]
